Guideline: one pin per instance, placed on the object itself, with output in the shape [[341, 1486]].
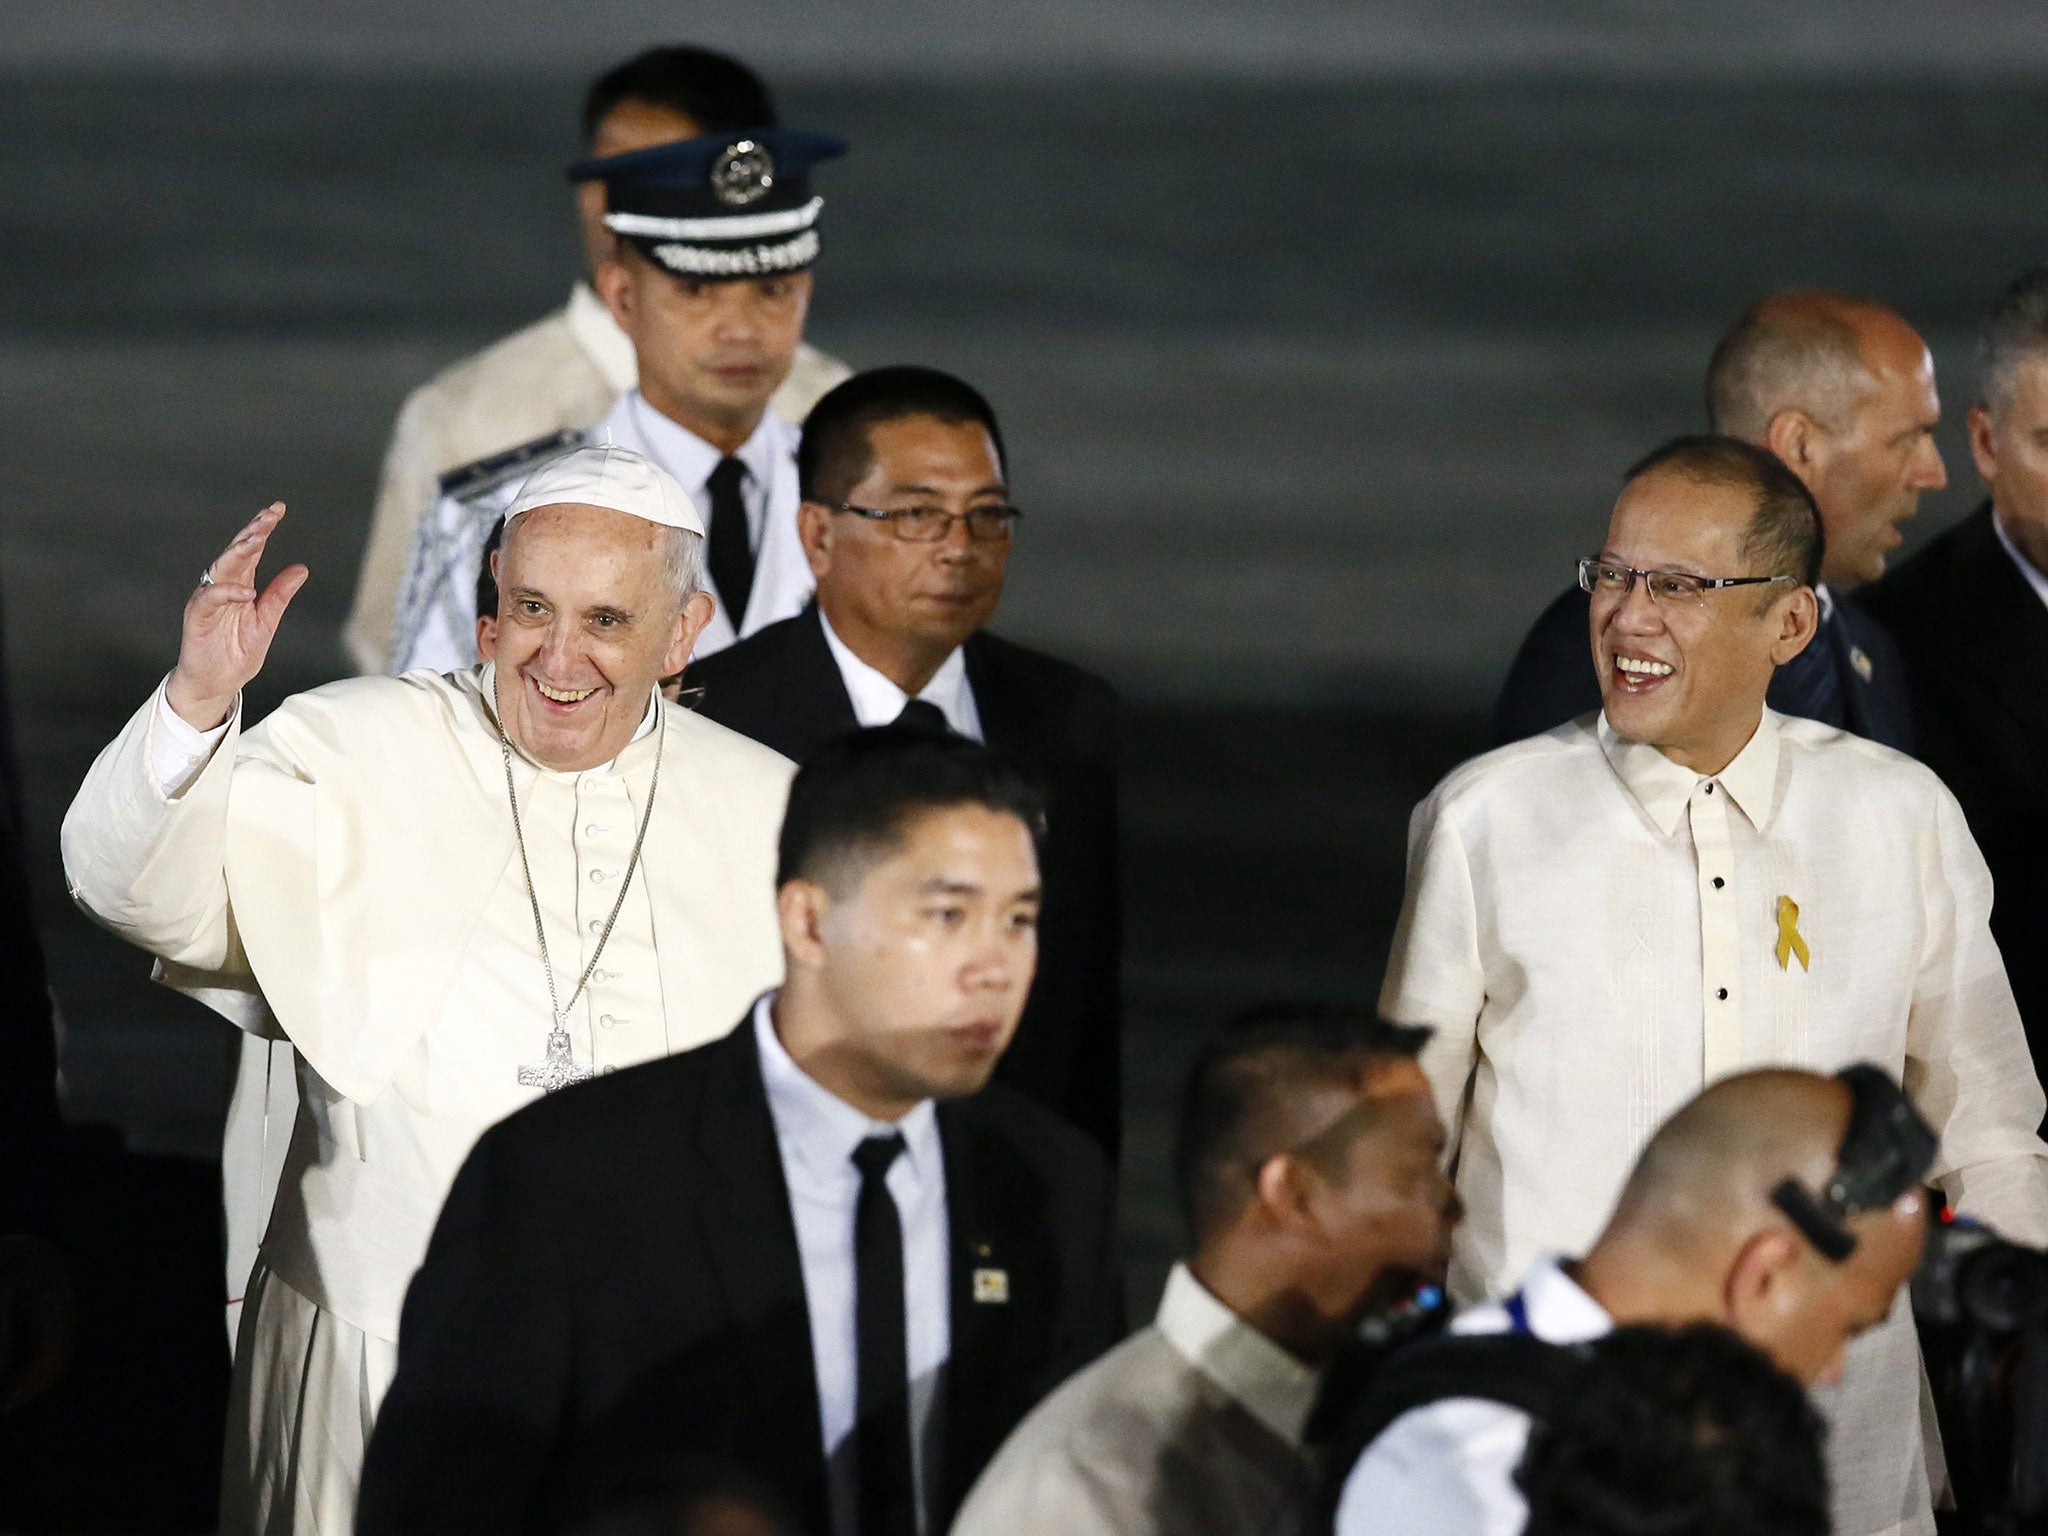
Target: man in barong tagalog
[[451, 893]]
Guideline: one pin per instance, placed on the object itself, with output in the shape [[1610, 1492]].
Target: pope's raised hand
[[229, 625]]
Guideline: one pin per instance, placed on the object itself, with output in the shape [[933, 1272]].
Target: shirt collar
[[1270, 1384], [877, 700], [487, 686], [690, 459], [817, 1130], [598, 334], [1663, 788], [1558, 1308], [2036, 578]]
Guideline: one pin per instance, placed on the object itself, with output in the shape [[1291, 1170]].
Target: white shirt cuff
[[178, 749]]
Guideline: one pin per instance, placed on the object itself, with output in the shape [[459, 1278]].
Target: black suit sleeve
[[1552, 678], [466, 1434]]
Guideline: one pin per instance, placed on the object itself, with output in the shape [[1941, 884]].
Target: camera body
[[1970, 1277]]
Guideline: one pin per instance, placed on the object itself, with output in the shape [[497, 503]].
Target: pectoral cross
[[559, 1070]]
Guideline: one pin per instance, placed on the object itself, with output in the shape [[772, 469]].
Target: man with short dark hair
[[907, 524], [1686, 1432], [1841, 390], [817, 1248], [1704, 1232], [563, 372], [1971, 615], [1605, 918], [1308, 1167]]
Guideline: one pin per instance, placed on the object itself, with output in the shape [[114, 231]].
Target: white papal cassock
[[1593, 932], [345, 874]]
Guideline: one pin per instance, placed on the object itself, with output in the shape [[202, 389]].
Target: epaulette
[[470, 479]]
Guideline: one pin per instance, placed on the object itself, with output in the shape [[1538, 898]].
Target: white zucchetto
[[615, 478]]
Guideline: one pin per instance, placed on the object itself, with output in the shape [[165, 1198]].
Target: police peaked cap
[[723, 205]]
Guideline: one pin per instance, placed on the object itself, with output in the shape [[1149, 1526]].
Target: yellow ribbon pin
[[1789, 942]]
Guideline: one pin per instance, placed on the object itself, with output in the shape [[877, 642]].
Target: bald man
[[1841, 389], [1702, 1233]]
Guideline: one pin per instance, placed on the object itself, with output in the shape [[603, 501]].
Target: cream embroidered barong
[[344, 874], [1592, 930]]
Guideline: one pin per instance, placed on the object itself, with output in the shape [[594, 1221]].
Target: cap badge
[[742, 174]]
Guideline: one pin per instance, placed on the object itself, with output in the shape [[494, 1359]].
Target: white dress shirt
[[1449, 1469], [2036, 578], [817, 1132], [1593, 932], [877, 700]]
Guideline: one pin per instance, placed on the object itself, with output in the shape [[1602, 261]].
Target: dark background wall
[[1320, 332]]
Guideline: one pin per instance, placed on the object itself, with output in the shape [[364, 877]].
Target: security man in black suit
[[1842, 390], [1971, 615], [819, 1249], [907, 523]]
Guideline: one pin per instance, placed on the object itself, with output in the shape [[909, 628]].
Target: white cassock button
[[597, 925], [597, 877], [593, 829], [601, 976], [606, 1020]]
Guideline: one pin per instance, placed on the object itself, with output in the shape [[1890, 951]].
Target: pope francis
[[450, 893]]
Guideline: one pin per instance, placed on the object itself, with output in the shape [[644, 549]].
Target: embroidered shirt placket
[[1720, 931]]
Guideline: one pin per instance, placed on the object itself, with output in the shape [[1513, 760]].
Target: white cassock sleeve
[[145, 845], [1435, 975], [1967, 1062]]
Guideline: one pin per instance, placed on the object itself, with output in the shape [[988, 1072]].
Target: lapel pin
[[992, 1286], [1865, 669], [1789, 941]]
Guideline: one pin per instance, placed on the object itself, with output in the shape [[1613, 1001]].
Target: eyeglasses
[[1617, 581], [928, 525]]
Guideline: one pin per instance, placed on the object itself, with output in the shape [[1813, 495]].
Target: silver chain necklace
[[559, 1069]]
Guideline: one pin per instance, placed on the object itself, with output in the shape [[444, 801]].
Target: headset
[[1886, 1150]]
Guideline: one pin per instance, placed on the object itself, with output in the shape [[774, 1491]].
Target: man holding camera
[[1605, 918]]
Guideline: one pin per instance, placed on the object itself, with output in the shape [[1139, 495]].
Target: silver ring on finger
[[206, 577]]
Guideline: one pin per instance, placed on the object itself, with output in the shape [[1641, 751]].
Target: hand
[[229, 626], [36, 1315]]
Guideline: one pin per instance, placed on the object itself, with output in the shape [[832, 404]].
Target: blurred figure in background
[[1686, 1433], [1728, 1218], [1308, 1164], [907, 523], [1842, 390], [563, 372], [1971, 615]]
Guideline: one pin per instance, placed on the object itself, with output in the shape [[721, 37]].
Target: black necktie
[[728, 551], [882, 1417], [923, 715]]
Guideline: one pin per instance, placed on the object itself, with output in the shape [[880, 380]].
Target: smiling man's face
[[1688, 677], [587, 626]]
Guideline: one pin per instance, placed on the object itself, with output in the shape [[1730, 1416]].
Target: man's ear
[[1759, 1281], [486, 638], [814, 532], [1794, 437], [1798, 623], [800, 907], [689, 624], [1982, 448], [614, 285], [1283, 1190]]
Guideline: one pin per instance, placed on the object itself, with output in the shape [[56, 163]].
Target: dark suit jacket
[[1552, 678], [615, 1283], [1975, 640], [782, 688]]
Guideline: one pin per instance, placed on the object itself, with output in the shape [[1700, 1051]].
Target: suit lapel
[[994, 1299], [753, 1242], [1005, 718], [813, 694]]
